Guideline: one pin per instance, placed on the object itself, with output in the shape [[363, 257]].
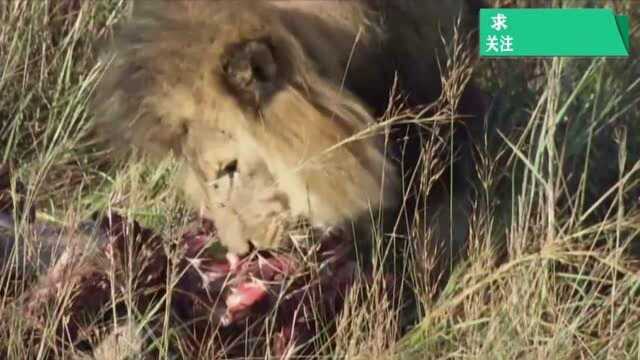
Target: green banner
[[553, 32]]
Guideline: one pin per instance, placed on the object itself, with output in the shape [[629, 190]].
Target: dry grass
[[552, 269]]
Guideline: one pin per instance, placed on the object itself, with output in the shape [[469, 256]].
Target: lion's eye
[[228, 169], [231, 167]]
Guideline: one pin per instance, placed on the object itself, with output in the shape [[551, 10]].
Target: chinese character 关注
[[506, 43], [499, 22], [492, 43]]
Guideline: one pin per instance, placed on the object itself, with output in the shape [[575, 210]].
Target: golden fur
[[229, 182], [264, 99]]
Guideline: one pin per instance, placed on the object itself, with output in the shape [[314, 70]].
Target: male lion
[[266, 102]]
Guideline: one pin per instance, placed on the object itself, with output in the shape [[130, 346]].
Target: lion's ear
[[251, 71]]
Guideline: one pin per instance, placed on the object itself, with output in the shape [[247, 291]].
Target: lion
[[268, 103], [227, 181]]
